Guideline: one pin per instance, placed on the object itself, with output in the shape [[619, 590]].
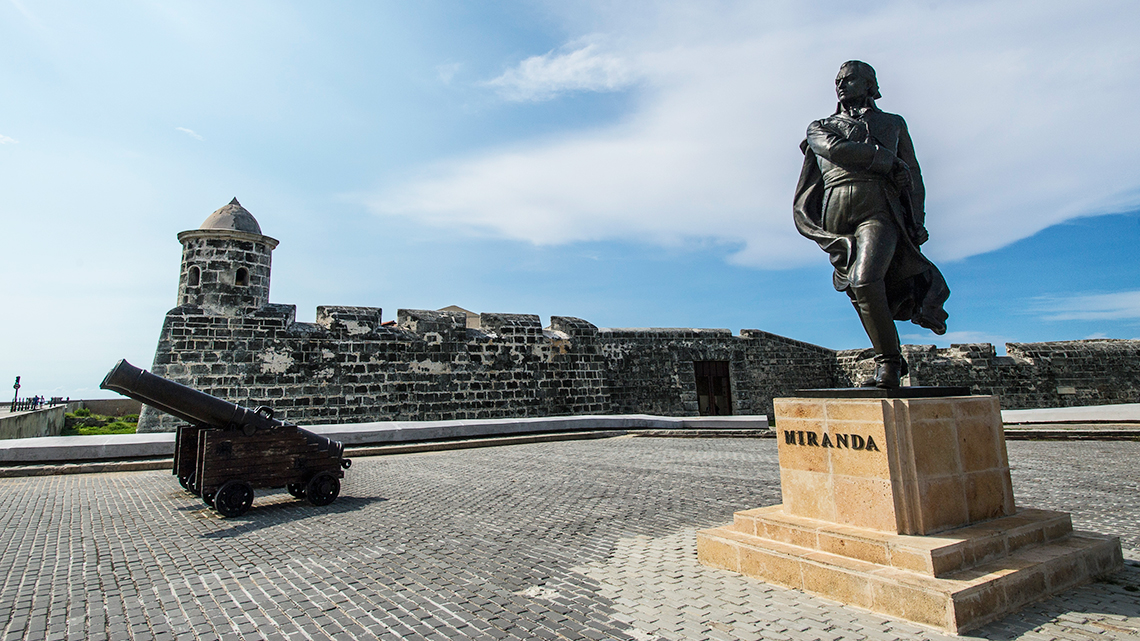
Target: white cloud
[[1008, 104], [5, 140], [447, 71], [1114, 306], [28, 15], [189, 132], [578, 67]]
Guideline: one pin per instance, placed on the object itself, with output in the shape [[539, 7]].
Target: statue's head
[[856, 84]]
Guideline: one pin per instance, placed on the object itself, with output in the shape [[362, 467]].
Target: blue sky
[[628, 163]]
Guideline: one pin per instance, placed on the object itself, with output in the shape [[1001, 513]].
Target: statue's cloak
[[916, 289]]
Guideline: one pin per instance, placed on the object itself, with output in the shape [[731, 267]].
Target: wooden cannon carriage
[[225, 451]]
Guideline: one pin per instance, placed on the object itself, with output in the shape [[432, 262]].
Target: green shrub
[[88, 424], [83, 411], [115, 427]]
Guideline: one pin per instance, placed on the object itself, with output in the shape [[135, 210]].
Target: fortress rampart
[[1054, 374], [429, 365], [226, 339]]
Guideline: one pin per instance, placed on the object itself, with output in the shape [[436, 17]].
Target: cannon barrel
[[197, 407]]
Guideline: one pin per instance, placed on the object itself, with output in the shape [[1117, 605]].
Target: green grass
[[82, 422]]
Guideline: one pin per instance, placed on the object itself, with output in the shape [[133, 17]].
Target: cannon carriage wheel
[[322, 489], [233, 498], [297, 490]]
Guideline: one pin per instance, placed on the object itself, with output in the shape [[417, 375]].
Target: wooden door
[[714, 393]]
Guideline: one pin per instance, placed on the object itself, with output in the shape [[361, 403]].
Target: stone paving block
[[436, 545]]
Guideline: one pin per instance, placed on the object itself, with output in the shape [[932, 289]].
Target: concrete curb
[[77, 449], [92, 467], [1074, 433], [95, 467]]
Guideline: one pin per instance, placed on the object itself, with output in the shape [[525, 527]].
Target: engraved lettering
[[813, 439]]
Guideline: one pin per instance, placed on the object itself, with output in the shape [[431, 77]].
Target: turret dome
[[232, 216]]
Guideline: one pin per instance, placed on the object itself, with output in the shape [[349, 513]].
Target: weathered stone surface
[[911, 466], [1031, 375], [347, 367], [226, 339], [923, 528]]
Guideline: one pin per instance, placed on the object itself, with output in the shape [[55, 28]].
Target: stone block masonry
[[923, 528], [225, 338], [1031, 375], [650, 370], [429, 365]]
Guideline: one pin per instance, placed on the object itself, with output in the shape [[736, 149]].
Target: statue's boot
[[888, 372], [875, 313]]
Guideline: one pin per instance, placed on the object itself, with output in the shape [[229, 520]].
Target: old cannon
[[225, 450]]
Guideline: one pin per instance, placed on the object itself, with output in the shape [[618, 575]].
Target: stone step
[[934, 555], [955, 603]]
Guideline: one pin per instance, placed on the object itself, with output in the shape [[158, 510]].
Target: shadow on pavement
[[270, 512], [1117, 596]]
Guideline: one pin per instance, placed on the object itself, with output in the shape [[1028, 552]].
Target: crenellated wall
[[1055, 374], [650, 370], [226, 339], [347, 367], [430, 365], [437, 365]]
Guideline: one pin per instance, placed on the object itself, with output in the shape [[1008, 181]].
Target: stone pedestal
[[904, 506]]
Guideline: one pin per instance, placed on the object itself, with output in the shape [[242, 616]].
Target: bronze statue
[[860, 197]]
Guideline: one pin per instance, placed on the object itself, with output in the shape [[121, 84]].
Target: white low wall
[[42, 422], [1124, 413], [119, 446]]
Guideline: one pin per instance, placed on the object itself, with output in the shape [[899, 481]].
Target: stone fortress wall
[[1030, 375], [226, 339], [429, 365]]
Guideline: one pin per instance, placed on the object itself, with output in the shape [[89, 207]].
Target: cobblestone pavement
[[576, 540]]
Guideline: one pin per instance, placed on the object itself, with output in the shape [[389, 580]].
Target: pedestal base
[[954, 581], [900, 501]]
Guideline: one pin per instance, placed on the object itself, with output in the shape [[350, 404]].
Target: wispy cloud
[[5, 140], [1113, 306], [447, 71], [573, 68], [27, 14], [189, 132], [726, 90]]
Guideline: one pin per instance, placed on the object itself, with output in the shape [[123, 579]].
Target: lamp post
[[17, 395]]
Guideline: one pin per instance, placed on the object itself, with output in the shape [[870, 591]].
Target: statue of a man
[[860, 196]]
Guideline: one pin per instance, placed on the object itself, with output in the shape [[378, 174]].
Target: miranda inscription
[[849, 441]]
